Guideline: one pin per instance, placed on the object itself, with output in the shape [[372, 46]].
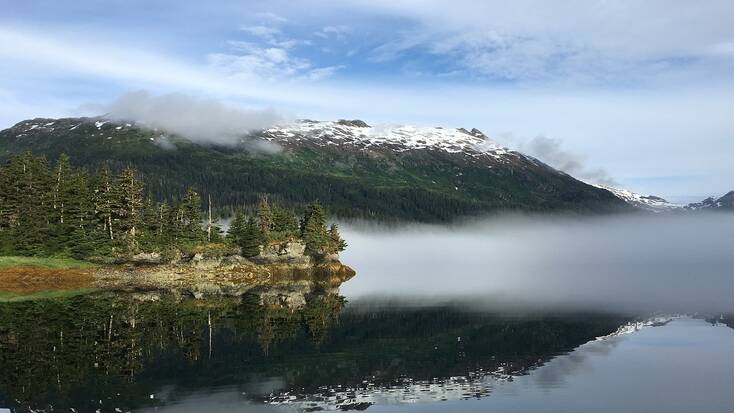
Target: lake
[[121, 352], [487, 317]]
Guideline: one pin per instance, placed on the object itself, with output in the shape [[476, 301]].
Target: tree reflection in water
[[110, 350]]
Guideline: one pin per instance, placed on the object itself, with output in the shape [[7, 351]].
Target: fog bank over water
[[669, 263]]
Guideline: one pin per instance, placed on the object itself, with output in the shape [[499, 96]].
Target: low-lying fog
[[638, 263]]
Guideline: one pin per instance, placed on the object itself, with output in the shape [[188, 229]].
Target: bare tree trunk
[[209, 316], [109, 332], [209, 226], [160, 222], [58, 185]]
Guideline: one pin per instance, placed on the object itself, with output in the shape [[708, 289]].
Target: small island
[[98, 229]]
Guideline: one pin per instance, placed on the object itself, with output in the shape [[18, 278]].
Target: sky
[[634, 93]]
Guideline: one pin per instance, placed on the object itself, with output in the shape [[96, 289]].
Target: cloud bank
[[200, 120], [552, 152], [636, 263]]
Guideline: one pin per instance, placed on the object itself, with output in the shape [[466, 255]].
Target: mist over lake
[[678, 263]]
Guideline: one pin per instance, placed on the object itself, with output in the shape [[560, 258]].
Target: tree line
[[60, 210]]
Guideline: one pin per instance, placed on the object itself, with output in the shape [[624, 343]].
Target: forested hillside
[[59, 210], [329, 162]]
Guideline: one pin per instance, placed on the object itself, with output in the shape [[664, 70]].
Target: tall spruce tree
[[336, 242], [61, 177], [191, 208], [264, 217], [129, 203], [33, 203], [105, 203], [285, 224], [314, 232], [251, 239], [237, 228]]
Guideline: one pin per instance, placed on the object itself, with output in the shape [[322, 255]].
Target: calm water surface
[[124, 352]]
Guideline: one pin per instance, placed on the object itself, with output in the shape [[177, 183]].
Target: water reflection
[[272, 347]]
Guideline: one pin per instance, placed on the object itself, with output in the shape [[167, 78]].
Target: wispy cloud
[[585, 41], [552, 152], [200, 120], [624, 83], [339, 32]]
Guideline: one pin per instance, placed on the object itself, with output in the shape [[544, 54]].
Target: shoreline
[[207, 277]]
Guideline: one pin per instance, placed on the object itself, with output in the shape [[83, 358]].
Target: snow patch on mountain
[[398, 138], [723, 202], [650, 203], [635, 326]]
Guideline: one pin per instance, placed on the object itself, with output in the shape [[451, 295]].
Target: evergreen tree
[[74, 211], [162, 231], [151, 224], [33, 214], [174, 223], [336, 244], [237, 228], [191, 209], [313, 230], [129, 203], [264, 217], [251, 239], [104, 202], [285, 224], [61, 187], [77, 200]]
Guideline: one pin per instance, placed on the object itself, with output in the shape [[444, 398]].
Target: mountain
[[657, 204], [411, 173], [649, 203], [725, 202]]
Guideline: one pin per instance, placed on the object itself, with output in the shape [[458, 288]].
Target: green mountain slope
[[424, 175]]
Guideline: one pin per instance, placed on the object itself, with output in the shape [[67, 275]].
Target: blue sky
[[638, 93]]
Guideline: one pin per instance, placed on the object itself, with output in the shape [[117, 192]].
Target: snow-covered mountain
[[724, 202], [399, 138], [650, 203], [400, 172], [657, 204]]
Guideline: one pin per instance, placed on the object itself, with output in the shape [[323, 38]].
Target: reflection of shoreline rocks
[[228, 276], [472, 386], [283, 266]]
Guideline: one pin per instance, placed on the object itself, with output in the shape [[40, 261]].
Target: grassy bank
[[42, 262]]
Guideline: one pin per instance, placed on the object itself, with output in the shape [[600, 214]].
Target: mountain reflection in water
[[129, 351]]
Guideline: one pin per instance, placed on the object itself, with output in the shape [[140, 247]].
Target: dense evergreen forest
[[376, 183], [60, 210]]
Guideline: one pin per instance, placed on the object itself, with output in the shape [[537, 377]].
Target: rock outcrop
[[290, 252]]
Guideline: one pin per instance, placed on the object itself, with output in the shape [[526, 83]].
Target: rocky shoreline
[[222, 277], [280, 273]]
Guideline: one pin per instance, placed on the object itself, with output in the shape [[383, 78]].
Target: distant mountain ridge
[[392, 172], [724, 202], [649, 203], [652, 203]]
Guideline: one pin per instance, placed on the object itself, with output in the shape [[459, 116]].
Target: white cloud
[[254, 60], [269, 17], [682, 129], [587, 40], [552, 152], [323, 72], [266, 32], [200, 120], [339, 32]]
